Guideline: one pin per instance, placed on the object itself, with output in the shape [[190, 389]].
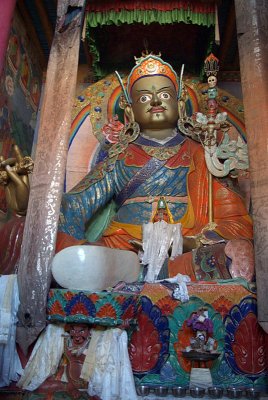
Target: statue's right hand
[[12, 175], [3, 178], [190, 243], [18, 153], [8, 161]]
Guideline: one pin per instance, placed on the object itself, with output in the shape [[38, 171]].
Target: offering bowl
[[179, 391], [197, 392], [253, 393], [215, 392], [161, 391], [142, 390], [234, 393]]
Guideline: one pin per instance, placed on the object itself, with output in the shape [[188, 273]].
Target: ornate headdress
[[151, 65]]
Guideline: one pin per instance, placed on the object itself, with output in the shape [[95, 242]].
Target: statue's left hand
[[190, 243], [209, 237], [8, 161]]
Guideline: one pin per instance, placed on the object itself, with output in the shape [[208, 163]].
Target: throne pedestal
[[158, 334]]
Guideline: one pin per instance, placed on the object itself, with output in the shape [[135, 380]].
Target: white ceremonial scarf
[[45, 358], [157, 239], [10, 365], [107, 367]]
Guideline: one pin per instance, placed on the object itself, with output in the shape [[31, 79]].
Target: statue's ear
[[124, 105], [129, 114], [122, 102]]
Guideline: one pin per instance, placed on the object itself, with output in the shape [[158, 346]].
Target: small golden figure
[[14, 177]]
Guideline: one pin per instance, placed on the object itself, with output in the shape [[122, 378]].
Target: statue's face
[[79, 334], [154, 104]]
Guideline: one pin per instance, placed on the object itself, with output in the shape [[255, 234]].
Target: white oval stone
[[94, 268]]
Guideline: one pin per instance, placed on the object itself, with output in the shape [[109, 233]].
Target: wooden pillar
[[6, 15], [252, 22], [40, 230]]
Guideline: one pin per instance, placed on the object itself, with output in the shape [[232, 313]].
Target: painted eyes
[[145, 98], [164, 96]]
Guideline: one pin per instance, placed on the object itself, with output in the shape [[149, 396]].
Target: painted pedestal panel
[[156, 347]]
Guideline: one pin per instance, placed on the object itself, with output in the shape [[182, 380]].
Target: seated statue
[[154, 160]]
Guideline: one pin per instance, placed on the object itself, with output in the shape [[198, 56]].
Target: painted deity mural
[[21, 83]]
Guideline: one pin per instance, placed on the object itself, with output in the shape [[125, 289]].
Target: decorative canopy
[[148, 11], [119, 30]]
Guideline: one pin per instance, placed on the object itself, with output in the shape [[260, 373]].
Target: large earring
[[132, 128], [127, 135], [130, 132]]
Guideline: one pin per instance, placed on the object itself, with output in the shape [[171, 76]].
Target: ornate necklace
[[161, 153]]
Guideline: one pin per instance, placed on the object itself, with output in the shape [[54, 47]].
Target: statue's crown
[[151, 65]]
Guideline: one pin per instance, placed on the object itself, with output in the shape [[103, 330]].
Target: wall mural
[[20, 88]]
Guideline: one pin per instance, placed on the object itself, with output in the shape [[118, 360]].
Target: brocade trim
[[161, 153]]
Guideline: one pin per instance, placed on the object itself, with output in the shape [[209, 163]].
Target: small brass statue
[[14, 177]]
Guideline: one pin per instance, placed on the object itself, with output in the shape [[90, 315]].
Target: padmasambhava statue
[[154, 160]]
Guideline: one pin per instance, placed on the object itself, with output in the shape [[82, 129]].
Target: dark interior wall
[[233, 88]]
